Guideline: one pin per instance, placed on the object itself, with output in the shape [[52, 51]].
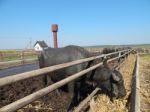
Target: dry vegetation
[[145, 82], [102, 103]]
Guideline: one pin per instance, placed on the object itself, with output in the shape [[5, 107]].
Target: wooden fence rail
[[86, 100], [135, 102], [32, 97], [22, 76]]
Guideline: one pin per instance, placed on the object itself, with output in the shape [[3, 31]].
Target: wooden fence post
[[1, 56], [22, 57]]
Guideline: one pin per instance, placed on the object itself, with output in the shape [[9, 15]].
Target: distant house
[[40, 46]]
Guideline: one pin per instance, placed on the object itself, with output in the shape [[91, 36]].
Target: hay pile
[[102, 103]]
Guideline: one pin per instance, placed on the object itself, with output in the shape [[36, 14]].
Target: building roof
[[41, 43]]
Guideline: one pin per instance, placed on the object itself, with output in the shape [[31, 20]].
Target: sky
[[81, 22]]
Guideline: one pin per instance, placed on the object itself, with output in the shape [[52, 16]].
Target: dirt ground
[[49, 103], [145, 82], [102, 103]]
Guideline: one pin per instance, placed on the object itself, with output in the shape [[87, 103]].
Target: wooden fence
[[32, 97], [17, 58], [135, 96]]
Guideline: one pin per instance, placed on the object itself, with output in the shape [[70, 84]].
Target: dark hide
[[110, 81], [110, 50]]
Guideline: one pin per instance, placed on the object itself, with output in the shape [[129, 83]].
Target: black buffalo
[[110, 81]]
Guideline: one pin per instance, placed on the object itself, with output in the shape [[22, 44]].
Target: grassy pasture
[[145, 57], [10, 55], [147, 46]]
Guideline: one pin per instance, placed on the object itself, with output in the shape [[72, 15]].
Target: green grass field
[[130, 45], [10, 55], [11, 58], [145, 57]]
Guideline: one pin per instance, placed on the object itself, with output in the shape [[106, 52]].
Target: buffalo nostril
[[114, 94], [122, 95]]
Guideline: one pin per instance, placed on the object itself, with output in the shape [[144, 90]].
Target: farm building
[[40, 45]]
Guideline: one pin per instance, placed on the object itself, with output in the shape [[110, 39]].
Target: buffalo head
[[118, 88], [111, 81]]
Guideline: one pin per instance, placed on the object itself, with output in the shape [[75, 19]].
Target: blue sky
[[81, 22]]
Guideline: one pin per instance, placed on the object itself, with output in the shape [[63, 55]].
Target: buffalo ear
[[115, 77]]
